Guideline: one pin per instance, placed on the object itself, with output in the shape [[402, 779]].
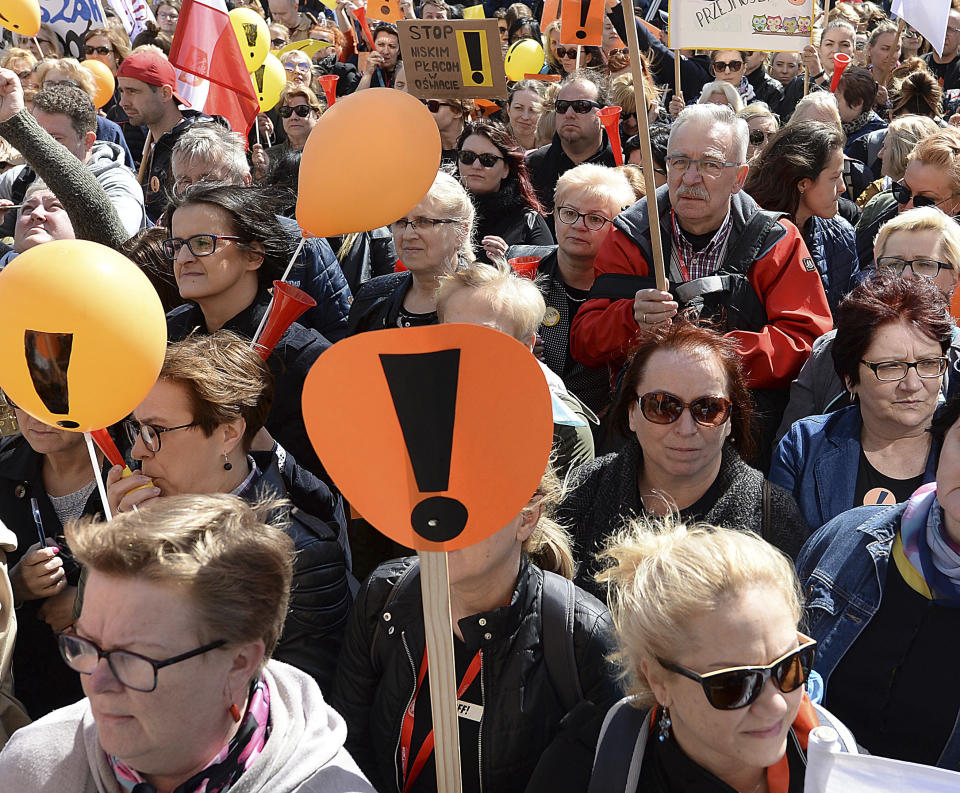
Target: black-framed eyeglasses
[[710, 168], [132, 669], [149, 434], [661, 407], [732, 689], [487, 160], [417, 224], [199, 244], [97, 50], [301, 110], [904, 194], [890, 371], [580, 106], [922, 266], [727, 66], [591, 220]]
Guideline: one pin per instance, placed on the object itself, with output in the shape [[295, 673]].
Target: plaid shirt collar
[[699, 264]]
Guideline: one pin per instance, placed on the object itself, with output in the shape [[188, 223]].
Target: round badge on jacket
[[551, 317]]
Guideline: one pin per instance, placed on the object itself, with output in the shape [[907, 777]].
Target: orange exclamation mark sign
[[423, 387], [581, 22]]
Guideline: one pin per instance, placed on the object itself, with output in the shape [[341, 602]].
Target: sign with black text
[[771, 25]]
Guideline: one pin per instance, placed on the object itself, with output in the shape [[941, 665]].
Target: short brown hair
[[858, 87], [691, 338], [225, 380], [225, 553]]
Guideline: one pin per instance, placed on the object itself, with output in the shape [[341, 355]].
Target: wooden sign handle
[[639, 90], [435, 585]]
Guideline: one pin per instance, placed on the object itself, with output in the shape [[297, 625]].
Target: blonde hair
[[719, 86], [596, 182], [548, 545], [70, 67], [224, 554], [634, 175], [453, 202], [817, 101], [306, 93], [516, 299], [924, 219], [622, 91], [941, 149], [903, 134], [18, 54], [661, 574]]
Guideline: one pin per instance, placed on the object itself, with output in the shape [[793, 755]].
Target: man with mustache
[[726, 259]]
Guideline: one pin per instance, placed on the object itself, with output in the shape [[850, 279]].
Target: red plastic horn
[[108, 447], [329, 84], [361, 14], [840, 62], [288, 304], [525, 266], [610, 118]]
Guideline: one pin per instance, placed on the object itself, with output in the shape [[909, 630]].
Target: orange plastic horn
[[361, 14], [329, 84], [610, 118], [840, 62], [288, 304]]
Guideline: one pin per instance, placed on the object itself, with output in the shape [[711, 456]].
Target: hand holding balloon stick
[[610, 118], [840, 62]]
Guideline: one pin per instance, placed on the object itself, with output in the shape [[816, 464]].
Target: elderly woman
[[919, 243], [227, 248], [883, 600], [715, 664], [684, 405], [720, 92], [189, 698], [194, 432], [433, 239], [818, 106], [800, 173], [890, 351], [763, 125], [493, 170], [502, 591]]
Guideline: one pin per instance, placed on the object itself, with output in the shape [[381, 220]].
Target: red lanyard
[[676, 245], [406, 730]]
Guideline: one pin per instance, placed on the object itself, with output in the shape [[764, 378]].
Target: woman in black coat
[[493, 171]]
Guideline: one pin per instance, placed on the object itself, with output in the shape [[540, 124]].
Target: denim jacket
[[842, 570], [818, 461]]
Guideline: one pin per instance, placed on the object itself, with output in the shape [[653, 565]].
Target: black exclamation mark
[[584, 10], [423, 387], [251, 33], [473, 42], [258, 79], [48, 358]]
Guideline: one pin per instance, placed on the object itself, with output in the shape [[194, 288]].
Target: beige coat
[[12, 713]]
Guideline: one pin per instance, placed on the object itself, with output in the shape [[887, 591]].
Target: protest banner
[[773, 25], [927, 17], [453, 58], [134, 14], [581, 22], [71, 21]]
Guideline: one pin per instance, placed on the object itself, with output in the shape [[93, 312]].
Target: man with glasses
[[946, 67], [579, 138], [726, 259]]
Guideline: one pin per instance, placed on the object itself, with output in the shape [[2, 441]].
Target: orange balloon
[[21, 16], [414, 443], [381, 148], [103, 81]]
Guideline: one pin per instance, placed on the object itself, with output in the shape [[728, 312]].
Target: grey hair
[[454, 202], [721, 87], [214, 144], [710, 114]]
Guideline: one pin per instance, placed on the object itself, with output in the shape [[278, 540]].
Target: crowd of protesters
[[750, 522]]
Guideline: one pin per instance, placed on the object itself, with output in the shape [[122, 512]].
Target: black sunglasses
[[580, 106], [659, 407], [486, 160], [731, 689], [434, 105], [97, 50], [618, 51], [903, 194], [301, 110], [724, 66], [566, 52]]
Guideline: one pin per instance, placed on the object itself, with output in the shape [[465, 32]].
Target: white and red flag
[[206, 47]]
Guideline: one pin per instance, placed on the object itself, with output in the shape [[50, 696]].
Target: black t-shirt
[[698, 509], [471, 711], [947, 73], [407, 319], [874, 488], [896, 687]]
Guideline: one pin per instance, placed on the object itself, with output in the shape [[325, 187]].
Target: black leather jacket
[[528, 741]]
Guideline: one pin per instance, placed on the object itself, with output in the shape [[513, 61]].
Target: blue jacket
[[873, 124], [833, 248], [818, 461], [842, 570], [317, 272]]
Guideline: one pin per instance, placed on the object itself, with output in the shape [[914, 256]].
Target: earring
[[663, 725], [235, 712], [227, 466]]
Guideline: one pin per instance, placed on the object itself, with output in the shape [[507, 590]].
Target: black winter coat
[[604, 492], [378, 302], [290, 361], [320, 596], [526, 744], [504, 214]]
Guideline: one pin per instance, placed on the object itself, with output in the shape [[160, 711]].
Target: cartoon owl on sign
[[773, 24], [759, 24], [804, 23], [790, 25]]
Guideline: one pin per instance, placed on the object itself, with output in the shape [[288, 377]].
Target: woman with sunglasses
[[686, 411], [194, 433], [492, 169], [183, 606], [763, 125], [884, 603], [707, 622], [892, 337], [800, 173], [730, 66], [562, 58], [110, 45], [299, 110]]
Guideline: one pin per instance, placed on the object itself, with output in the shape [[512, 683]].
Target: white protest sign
[[927, 17], [773, 25]]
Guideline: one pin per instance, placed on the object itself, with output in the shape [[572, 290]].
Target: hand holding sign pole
[[415, 404]]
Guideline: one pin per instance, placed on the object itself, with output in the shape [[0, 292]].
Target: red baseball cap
[[151, 68]]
